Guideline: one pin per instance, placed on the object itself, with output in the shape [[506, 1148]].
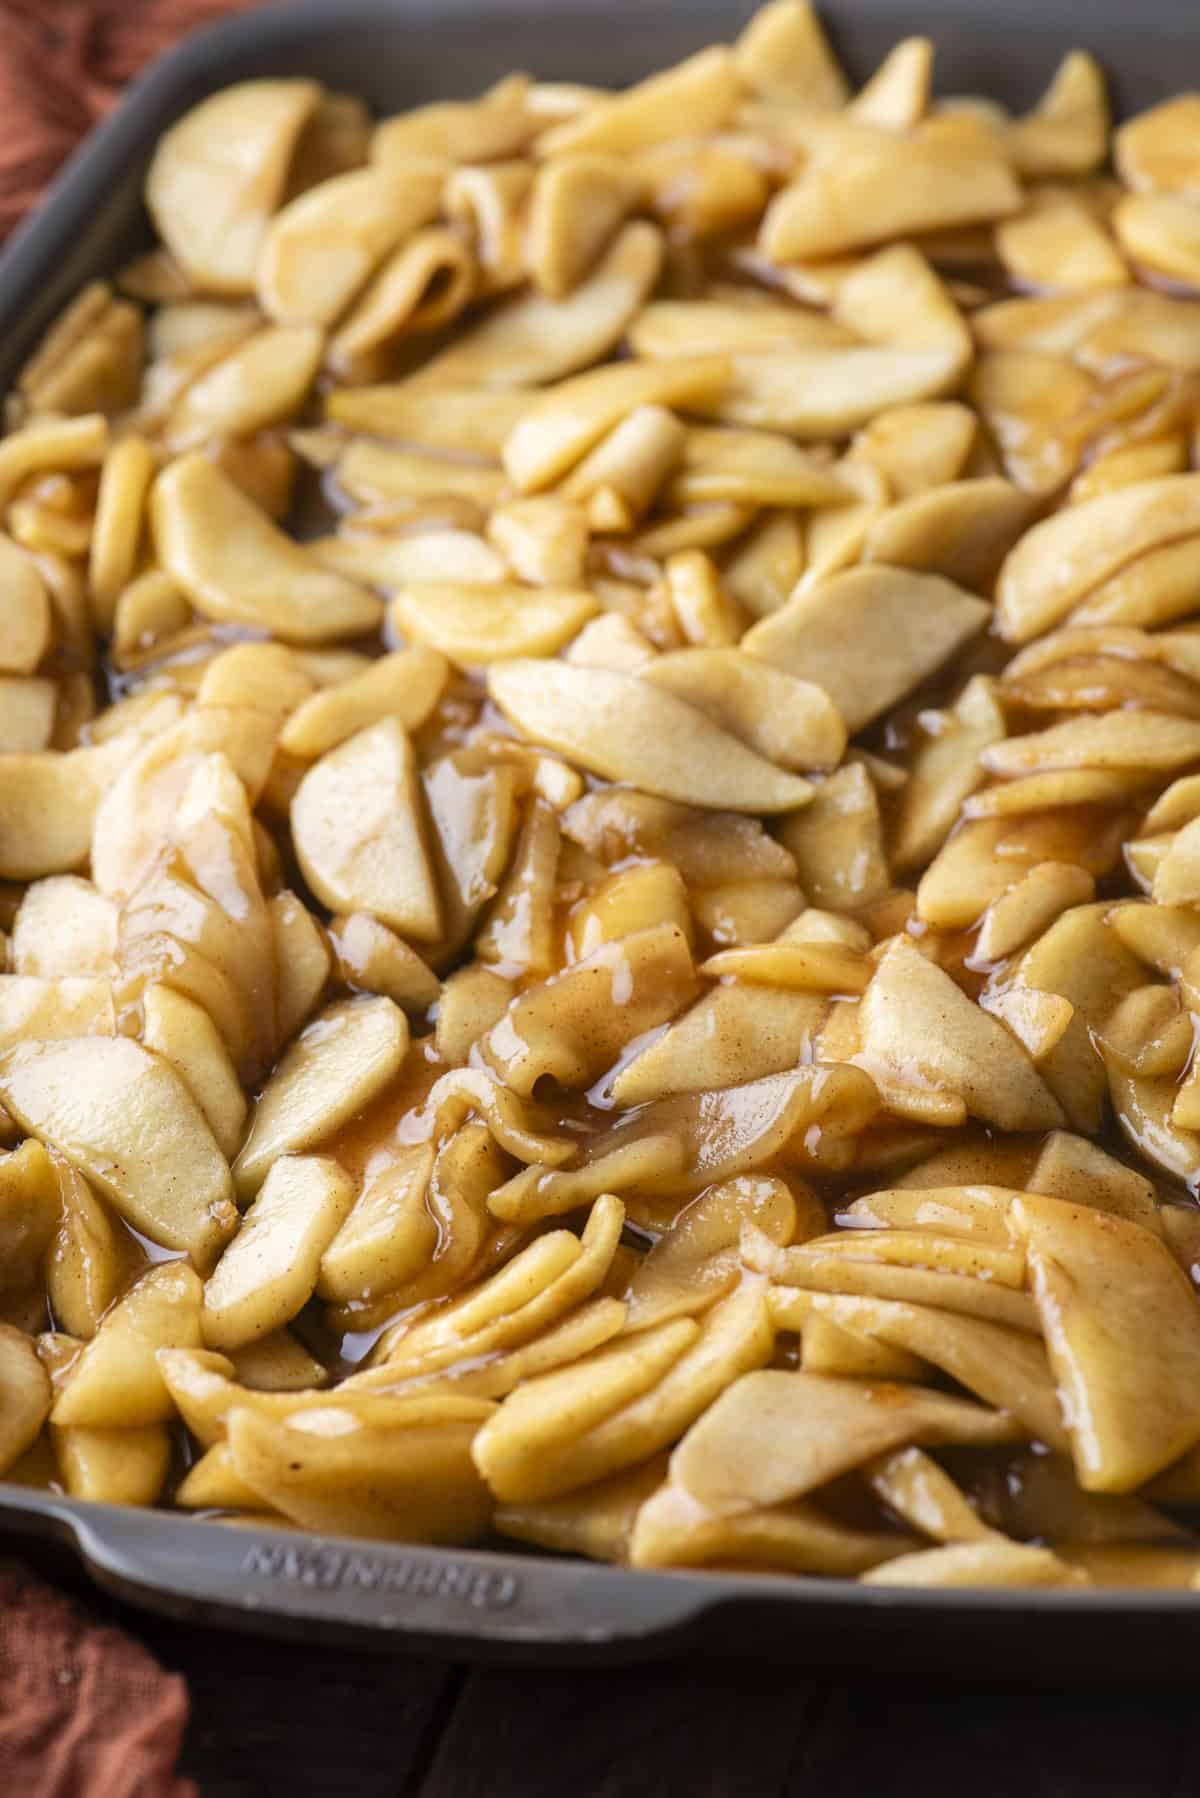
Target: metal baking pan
[[398, 53]]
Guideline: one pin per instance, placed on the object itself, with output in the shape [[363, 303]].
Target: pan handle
[[448, 1600]]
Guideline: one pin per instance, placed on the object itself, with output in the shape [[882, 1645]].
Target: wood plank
[[271, 1718], [746, 1731], [709, 1730], [872, 1738]]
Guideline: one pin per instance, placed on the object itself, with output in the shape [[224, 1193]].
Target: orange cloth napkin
[[63, 64], [85, 1711]]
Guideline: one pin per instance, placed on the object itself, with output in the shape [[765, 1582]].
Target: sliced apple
[[269, 1271], [360, 834], [127, 1122], [1122, 1331], [333, 1069], [116, 1383]]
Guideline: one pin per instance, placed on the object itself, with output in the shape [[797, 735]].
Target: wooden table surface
[[282, 1720]]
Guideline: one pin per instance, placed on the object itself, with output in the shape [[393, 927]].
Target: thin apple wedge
[[269, 1271], [124, 1118], [332, 1070], [1122, 1328], [116, 1383], [24, 1394]]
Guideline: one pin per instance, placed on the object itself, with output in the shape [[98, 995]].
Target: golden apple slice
[[1005, 1367], [373, 959], [993, 1563], [915, 622], [561, 1345], [626, 730], [540, 1192], [1123, 1334], [89, 1264], [867, 1269], [405, 685], [881, 186], [962, 531], [139, 813], [34, 1009], [809, 967], [943, 771], [333, 1069], [278, 1363], [1067, 131], [912, 1484], [182, 1032], [632, 899], [516, 1307], [211, 1484], [388, 1237], [704, 90], [897, 95], [791, 722], [1031, 906], [621, 1405], [219, 173], [816, 394], [333, 1472], [1155, 150], [115, 1382], [596, 1523], [112, 1467], [520, 925], [476, 625], [837, 842], [24, 1395], [578, 201], [269, 1270], [698, 1260], [29, 1214], [672, 1531], [325, 244], [420, 288], [259, 384], [302, 962], [782, 55], [27, 713], [1082, 959], [127, 1122], [918, 447], [1061, 560], [732, 1034], [63, 926], [473, 1000], [48, 805], [498, 124], [360, 834], [575, 1025], [560, 428], [777, 1435], [205, 1391], [237, 567], [530, 340], [1080, 1172], [918, 1026], [812, 1110]]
